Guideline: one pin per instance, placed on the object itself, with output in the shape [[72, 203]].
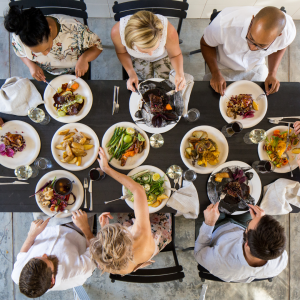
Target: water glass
[[189, 175], [43, 163], [156, 140], [263, 166], [26, 172], [255, 136], [232, 129], [37, 115], [192, 115]]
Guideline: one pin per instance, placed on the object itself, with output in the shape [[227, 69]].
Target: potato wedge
[[60, 147], [78, 163], [78, 152], [69, 135], [69, 150], [67, 159], [65, 154], [198, 134], [82, 140], [88, 147], [188, 151], [187, 155], [84, 135], [77, 146], [73, 161], [296, 150], [157, 203], [64, 132]]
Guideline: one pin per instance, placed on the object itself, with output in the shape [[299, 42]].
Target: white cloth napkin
[[186, 92], [17, 95], [186, 206], [279, 195]]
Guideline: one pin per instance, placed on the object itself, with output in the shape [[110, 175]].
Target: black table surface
[[283, 103]]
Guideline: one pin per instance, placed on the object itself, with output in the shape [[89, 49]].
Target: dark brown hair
[[35, 278], [267, 241]]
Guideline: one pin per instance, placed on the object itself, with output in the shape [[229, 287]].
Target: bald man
[[239, 39]]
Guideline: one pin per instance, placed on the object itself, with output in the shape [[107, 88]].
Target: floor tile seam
[[289, 65], [9, 64], [289, 277], [13, 252], [203, 9]]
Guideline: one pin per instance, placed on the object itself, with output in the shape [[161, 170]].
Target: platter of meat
[[241, 105], [50, 202], [235, 184], [20, 144], [126, 145], [156, 111], [68, 105]]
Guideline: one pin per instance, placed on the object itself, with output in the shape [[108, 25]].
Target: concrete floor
[[14, 226]]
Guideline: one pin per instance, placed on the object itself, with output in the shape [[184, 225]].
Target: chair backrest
[[156, 275], [71, 8], [167, 8]]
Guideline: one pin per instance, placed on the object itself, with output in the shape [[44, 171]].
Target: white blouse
[[158, 53]]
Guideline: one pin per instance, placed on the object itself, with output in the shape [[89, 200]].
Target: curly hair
[[111, 249], [144, 29]]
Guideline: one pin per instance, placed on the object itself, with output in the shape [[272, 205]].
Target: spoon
[[260, 97], [71, 82]]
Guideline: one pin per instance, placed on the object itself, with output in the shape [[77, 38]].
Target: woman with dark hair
[[57, 44]]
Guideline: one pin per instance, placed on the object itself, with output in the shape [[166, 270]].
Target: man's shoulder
[[235, 16]]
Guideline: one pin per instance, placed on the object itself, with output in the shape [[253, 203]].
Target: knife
[[114, 101], [91, 195], [180, 182], [280, 118], [9, 177], [15, 182]]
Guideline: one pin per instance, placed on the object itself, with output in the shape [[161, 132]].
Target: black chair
[[156, 275], [212, 16], [167, 8], [73, 8]]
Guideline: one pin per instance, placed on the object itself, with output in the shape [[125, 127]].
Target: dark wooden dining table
[[16, 198]]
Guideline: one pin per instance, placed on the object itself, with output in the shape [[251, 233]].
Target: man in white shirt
[[54, 258], [239, 39], [236, 254]]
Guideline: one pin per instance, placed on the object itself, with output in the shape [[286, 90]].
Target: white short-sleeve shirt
[[228, 33]]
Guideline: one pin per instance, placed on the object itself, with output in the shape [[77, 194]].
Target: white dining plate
[[167, 184], [87, 160], [135, 103], [244, 87], [254, 183], [83, 90], [215, 135], [132, 162], [264, 156], [77, 191], [32, 140]]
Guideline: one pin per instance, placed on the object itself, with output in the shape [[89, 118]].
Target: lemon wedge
[[155, 177], [255, 105]]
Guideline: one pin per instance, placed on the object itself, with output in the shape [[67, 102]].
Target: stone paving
[[14, 226]]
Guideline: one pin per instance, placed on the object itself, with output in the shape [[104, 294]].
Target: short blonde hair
[[111, 249], [144, 29]]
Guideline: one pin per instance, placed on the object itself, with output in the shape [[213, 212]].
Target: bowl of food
[[63, 186]]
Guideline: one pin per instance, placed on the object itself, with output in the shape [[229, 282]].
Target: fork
[[85, 185], [175, 182], [117, 98], [121, 198], [70, 83]]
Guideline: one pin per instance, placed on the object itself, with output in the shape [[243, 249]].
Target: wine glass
[[263, 166], [26, 172], [37, 115], [156, 140], [255, 136], [232, 129]]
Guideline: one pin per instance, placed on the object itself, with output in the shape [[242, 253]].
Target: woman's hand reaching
[[103, 162], [104, 219]]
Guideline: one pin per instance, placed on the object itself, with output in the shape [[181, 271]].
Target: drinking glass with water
[[43, 163], [37, 115], [255, 136], [189, 175], [192, 115]]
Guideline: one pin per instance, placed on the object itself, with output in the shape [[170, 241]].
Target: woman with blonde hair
[[128, 245], [147, 46]]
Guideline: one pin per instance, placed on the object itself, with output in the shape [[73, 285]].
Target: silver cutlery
[[117, 98], [51, 86], [70, 83], [55, 215], [91, 195], [114, 101], [277, 122], [136, 89], [15, 182], [9, 177], [121, 198], [178, 192], [85, 185], [280, 118], [171, 93], [180, 182], [287, 144], [175, 182], [260, 97]]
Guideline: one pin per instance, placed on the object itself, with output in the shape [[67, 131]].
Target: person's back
[[238, 255]]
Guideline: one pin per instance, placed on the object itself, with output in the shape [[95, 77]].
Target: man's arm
[[36, 228], [273, 62], [209, 53]]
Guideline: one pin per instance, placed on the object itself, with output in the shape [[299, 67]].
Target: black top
[[16, 198]]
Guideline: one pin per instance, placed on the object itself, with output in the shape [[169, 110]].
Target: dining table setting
[[188, 149]]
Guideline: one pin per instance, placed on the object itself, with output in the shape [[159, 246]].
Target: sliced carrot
[[68, 89], [168, 107], [75, 86], [276, 132], [129, 153]]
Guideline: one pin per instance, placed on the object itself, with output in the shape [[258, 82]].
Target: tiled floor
[[14, 227]]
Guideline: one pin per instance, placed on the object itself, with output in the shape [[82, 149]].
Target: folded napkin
[[186, 92], [279, 195], [17, 95], [186, 206]]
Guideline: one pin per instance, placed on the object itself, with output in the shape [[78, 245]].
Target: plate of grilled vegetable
[[203, 148], [126, 145], [156, 185], [275, 147], [75, 146]]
